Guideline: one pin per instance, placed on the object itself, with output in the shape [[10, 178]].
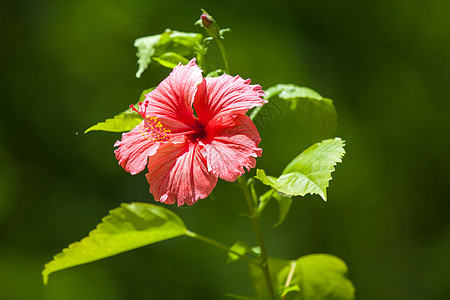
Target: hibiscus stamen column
[[254, 216]]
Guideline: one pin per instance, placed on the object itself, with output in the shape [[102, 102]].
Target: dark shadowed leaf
[[241, 297], [284, 204], [312, 111]]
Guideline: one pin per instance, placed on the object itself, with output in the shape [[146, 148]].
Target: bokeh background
[[386, 64]]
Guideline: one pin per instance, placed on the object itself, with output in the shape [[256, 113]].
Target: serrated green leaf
[[125, 121], [179, 44], [127, 227], [119, 123], [312, 111], [319, 277], [308, 173], [146, 49]]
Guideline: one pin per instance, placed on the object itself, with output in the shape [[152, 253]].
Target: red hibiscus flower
[[194, 130]]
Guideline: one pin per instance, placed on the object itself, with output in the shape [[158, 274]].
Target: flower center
[[151, 129], [199, 132]]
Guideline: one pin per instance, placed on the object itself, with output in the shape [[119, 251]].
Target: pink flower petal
[[171, 101], [134, 148], [231, 145], [186, 155], [224, 95], [178, 172]]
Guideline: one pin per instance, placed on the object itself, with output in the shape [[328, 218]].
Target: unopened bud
[[206, 20]]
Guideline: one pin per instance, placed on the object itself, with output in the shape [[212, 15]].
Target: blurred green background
[[386, 64]]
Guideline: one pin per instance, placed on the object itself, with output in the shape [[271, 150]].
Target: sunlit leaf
[[171, 60], [311, 277], [120, 123], [315, 113], [242, 249], [127, 227], [288, 289], [319, 277], [215, 73], [178, 44], [125, 121], [308, 173]]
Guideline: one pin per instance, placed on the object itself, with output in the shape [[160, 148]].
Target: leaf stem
[[254, 216], [289, 277], [221, 246]]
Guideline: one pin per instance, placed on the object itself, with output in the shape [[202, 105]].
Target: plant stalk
[[224, 55], [254, 216]]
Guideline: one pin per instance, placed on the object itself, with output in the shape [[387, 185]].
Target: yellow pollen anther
[[154, 131]]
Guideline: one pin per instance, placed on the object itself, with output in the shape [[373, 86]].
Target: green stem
[[224, 55], [254, 216], [221, 246]]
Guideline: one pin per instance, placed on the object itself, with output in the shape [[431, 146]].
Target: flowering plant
[[191, 130]]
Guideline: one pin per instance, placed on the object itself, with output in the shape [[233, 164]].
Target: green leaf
[[319, 277], [284, 204], [166, 48], [292, 288], [312, 111], [258, 279], [171, 60], [241, 248], [215, 73], [120, 123], [311, 277], [125, 121], [238, 247], [127, 227], [308, 173]]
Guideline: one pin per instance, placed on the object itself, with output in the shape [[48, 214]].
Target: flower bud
[[206, 19]]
